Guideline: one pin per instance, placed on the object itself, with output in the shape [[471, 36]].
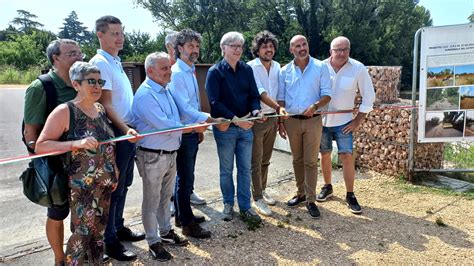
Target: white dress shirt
[[267, 81], [345, 82]]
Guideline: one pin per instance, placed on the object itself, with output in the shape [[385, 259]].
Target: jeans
[[159, 174], [344, 141], [185, 163], [235, 141], [124, 158]]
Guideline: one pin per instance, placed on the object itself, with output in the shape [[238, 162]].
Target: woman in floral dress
[[79, 125]]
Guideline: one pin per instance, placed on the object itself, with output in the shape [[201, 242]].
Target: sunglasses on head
[[93, 82]]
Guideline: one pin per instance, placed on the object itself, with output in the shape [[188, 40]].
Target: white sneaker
[[262, 207], [268, 199], [196, 199], [172, 210]]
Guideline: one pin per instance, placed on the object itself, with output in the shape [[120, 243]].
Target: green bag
[[45, 182]]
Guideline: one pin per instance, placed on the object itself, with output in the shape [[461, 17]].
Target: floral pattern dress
[[92, 178]]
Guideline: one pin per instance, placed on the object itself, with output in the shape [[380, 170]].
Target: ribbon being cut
[[191, 126]]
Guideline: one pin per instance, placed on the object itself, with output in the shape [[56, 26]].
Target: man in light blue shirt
[[154, 109], [304, 87], [185, 90]]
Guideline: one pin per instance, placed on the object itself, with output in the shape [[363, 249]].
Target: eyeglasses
[[75, 54], [341, 50], [93, 82], [235, 46]]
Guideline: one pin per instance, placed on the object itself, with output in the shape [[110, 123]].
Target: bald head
[[297, 38], [340, 41]]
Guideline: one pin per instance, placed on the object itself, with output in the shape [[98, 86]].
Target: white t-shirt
[[116, 80]]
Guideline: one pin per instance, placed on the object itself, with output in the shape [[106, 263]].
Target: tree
[[25, 21], [74, 30]]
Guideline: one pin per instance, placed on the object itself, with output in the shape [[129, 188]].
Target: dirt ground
[[398, 226]]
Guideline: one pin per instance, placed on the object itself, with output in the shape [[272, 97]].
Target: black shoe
[[296, 200], [173, 239], [196, 231], [125, 234], [313, 210], [353, 205], [159, 253], [326, 192], [118, 252], [197, 218]]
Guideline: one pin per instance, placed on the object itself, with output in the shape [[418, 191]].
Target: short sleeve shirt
[[35, 99]]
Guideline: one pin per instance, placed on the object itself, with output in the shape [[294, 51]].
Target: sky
[[52, 13]]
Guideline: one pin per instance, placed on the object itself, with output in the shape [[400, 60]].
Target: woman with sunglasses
[[79, 125]]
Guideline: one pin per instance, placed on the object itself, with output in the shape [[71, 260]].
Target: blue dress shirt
[[299, 90], [153, 109], [185, 91], [232, 93]]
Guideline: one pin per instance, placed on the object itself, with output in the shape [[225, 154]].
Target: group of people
[[250, 103]]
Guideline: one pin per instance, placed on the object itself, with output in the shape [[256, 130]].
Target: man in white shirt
[[265, 71], [347, 75], [117, 97]]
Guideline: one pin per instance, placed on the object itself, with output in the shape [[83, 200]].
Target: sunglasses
[[93, 82]]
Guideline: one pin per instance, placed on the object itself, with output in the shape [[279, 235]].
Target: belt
[[155, 151], [303, 117]]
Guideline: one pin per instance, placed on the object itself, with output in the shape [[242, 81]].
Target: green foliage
[[439, 222], [11, 75], [25, 21], [74, 30], [461, 155], [24, 51], [381, 32]]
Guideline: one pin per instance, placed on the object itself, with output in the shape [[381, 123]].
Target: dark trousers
[[185, 163], [124, 158]]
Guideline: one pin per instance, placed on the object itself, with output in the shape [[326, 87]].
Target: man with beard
[[304, 87], [185, 91], [347, 76], [265, 71]]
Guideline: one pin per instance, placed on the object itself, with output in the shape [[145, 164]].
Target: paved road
[[22, 222]]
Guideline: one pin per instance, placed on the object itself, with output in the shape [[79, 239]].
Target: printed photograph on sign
[[442, 99], [469, 124], [464, 75], [444, 124], [440, 76], [467, 97]]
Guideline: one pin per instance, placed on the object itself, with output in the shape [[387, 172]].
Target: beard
[[193, 57]]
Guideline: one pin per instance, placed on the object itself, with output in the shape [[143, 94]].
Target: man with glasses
[[61, 54], [347, 76], [305, 87], [117, 97], [265, 71], [233, 94]]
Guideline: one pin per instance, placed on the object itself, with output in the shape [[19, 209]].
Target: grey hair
[[80, 69], [341, 38], [151, 59], [170, 38], [54, 48], [230, 37]]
